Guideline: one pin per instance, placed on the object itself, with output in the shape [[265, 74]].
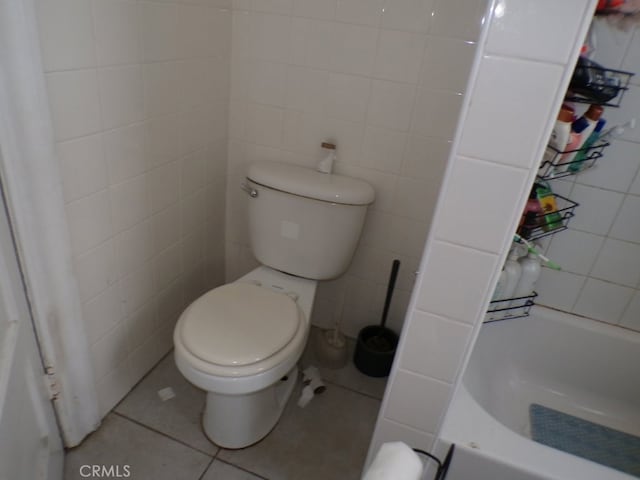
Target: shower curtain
[[32, 184]]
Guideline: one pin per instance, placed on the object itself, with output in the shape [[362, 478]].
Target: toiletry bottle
[[530, 272], [551, 220], [562, 165], [559, 135], [578, 163], [531, 215], [585, 125], [498, 292], [513, 270]]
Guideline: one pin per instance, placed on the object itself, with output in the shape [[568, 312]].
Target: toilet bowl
[[241, 342]]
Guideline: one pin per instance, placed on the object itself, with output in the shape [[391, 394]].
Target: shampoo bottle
[[529, 274], [513, 271], [585, 125], [560, 135], [579, 162]]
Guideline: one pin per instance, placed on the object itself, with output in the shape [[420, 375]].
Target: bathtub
[[575, 365]]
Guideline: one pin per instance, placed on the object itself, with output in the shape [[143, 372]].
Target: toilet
[[241, 342]]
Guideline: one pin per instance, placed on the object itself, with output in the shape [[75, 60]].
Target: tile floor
[[163, 440]]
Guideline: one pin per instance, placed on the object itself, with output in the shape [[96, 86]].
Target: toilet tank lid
[[309, 183]]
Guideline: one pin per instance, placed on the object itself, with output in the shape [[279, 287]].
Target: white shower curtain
[[33, 189]]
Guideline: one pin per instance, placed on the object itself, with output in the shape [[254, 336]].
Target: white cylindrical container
[[514, 270], [530, 272], [498, 292]]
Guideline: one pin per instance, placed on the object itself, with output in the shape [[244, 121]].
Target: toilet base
[[237, 421]]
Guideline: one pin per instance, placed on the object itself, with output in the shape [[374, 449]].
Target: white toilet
[[240, 342]]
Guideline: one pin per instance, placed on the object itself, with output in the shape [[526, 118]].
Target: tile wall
[[139, 97], [384, 79], [493, 162], [600, 253]]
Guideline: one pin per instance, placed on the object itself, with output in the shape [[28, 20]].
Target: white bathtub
[[575, 365]]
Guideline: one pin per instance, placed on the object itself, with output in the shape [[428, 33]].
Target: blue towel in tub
[[585, 439]]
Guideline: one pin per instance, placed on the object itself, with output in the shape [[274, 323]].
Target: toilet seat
[[239, 324]]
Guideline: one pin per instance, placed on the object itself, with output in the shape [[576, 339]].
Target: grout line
[[166, 435], [206, 469], [240, 467]]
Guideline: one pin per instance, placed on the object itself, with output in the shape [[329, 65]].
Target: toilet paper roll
[[316, 385], [305, 397], [394, 461]]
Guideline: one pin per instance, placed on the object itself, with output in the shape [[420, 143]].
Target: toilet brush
[[331, 348]]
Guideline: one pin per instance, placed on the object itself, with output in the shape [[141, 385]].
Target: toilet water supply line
[[532, 249]]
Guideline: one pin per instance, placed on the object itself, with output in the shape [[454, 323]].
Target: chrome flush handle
[[253, 193]]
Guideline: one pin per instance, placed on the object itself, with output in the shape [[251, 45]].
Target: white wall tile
[[141, 325], [121, 95], [116, 30], [102, 313], [448, 22], [398, 56], [465, 219], [96, 270], [270, 37], [125, 152], [559, 289], [160, 83], [133, 247], [575, 251], [162, 141], [267, 83], [164, 186], [615, 170], [264, 125], [158, 31], [426, 157], [361, 12], [434, 346], [347, 97], [165, 226], [417, 401], [411, 15], [192, 172], [444, 293], [515, 28], [321, 9], [436, 113], [629, 108], [391, 105], [383, 149], [167, 266], [83, 166], [130, 202], [75, 104], [282, 7], [195, 26], [109, 351], [600, 207], [312, 43], [612, 43], [353, 48], [89, 221], [603, 301], [66, 34], [502, 83], [447, 63], [618, 262], [136, 288], [414, 199], [627, 223], [631, 60], [306, 89]]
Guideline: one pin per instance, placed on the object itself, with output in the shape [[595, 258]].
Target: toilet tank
[[304, 222]]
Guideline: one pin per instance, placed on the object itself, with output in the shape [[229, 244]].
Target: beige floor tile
[[150, 455], [223, 471], [178, 417], [328, 439], [348, 376]]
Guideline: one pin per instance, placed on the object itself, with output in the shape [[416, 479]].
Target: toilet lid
[[239, 324]]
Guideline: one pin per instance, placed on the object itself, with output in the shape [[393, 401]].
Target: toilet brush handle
[[392, 284]]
